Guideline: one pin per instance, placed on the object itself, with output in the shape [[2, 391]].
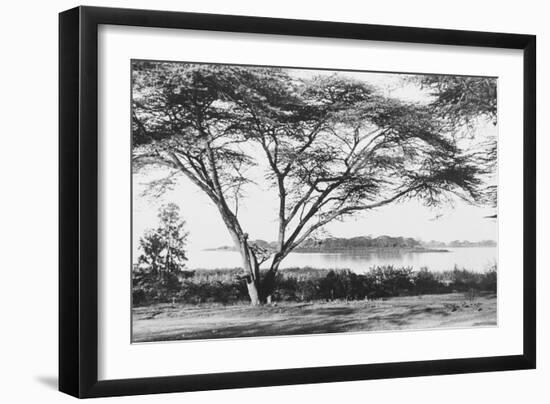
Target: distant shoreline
[[368, 244], [372, 249], [359, 249]]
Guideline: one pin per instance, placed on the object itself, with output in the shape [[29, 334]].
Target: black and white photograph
[[273, 201]]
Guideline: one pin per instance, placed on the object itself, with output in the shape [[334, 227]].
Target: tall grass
[[310, 284]]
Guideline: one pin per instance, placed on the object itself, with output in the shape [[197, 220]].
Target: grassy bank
[[165, 322], [300, 285]]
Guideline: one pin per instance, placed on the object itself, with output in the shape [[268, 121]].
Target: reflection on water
[[473, 259]]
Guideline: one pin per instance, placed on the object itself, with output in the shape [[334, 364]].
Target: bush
[[139, 297], [308, 284], [427, 282], [150, 287], [489, 280], [388, 281], [212, 291]]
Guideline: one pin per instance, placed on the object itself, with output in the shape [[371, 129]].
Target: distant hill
[[464, 243], [460, 243], [356, 243]]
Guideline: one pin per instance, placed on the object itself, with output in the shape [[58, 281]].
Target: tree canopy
[[463, 102]]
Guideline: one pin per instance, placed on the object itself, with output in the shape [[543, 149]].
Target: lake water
[[474, 259]]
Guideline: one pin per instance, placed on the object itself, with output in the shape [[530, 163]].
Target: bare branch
[[347, 210]]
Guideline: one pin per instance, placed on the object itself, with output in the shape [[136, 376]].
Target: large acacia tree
[[332, 146]]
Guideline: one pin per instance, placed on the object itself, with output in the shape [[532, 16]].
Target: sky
[[257, 212]]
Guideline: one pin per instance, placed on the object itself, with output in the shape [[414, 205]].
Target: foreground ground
[[165, 322]]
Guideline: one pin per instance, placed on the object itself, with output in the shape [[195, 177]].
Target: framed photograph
[[250, 201]]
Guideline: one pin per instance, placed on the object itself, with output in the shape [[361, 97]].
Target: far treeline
[[368, 242]]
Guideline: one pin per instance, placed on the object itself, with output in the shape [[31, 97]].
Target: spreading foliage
[[463, 103], [462, 99]]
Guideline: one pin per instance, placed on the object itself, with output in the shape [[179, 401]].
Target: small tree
[[164, 247], [163, 254]]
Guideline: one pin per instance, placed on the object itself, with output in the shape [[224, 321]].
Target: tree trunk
[[252, 273], [253, 293], [261, 290], [268, 285]]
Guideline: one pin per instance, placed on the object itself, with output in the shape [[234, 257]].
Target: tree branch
[[346, 210]]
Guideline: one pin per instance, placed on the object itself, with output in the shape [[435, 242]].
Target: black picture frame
[[78, 201]]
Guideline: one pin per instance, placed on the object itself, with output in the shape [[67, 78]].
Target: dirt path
[[183, 322]]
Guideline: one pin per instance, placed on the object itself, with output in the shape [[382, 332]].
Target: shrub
[[138, 297], [427, 282], [388, 281], [149, 287], [308, 284], [489, 280]]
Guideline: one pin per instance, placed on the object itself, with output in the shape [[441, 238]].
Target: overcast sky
[[257, 212]]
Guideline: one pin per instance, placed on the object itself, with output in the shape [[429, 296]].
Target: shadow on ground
[[167, 323]]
